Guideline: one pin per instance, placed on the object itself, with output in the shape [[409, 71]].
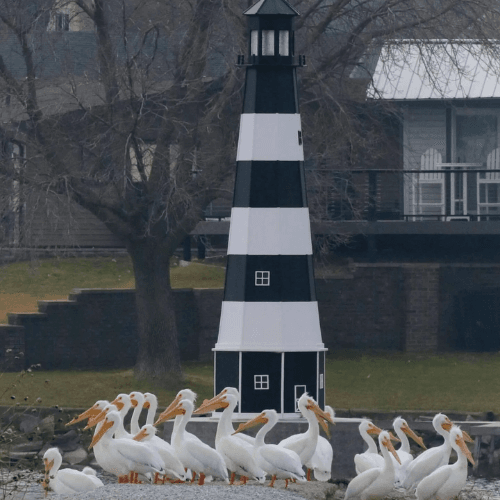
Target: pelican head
[[181, 408], [121, 401], [91, 412], [136, 399], [441, 423], [52, 457], [265, 417], [384, 439], [369, 428], [401, 424], [149, 400], [101, 416], [458, 442], [146, 433], [110, 421]]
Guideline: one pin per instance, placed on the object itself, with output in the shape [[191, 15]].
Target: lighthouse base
[[271, 380]]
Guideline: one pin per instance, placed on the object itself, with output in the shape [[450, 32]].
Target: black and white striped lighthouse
[[269, 344]]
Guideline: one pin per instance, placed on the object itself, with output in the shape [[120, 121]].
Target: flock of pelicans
[[140, 453]]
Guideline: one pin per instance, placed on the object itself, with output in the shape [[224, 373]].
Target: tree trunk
[[158, 359]]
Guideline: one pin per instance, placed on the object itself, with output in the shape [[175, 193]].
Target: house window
[[299, 390], [261, 382], [254, 43], [262, 278], [61, 21]]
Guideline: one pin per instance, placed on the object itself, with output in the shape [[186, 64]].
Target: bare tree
[[145, 136]]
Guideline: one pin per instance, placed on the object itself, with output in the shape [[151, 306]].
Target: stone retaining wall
[[400, 307]]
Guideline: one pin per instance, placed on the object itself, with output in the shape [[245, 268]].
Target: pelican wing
[[282, 458], [211, 461], [75, 480], [430, 485], [426, 463], [239, 455], [136, 453], [361, 482], [366, 461]]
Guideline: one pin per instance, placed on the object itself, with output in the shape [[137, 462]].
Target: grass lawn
[[22, 284], [458, 382]]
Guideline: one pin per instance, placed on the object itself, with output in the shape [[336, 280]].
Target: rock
[[183, 263], [45, 428], [27, 423], [35, 446], [76, 456], [70, 441]]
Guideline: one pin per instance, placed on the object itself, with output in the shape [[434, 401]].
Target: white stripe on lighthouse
[[270, 231], [269, 326], [270, 137]]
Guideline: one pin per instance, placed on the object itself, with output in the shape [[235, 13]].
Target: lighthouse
[[269, 344]]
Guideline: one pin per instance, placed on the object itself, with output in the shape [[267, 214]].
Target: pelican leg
[[286, 483], [308, 474], [201, 481], [194, 476], [271, 484], [123, 479], [233, 476], [244, 479], [157, 475]]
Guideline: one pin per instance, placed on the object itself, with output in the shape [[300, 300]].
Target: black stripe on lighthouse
[[287, 278], [269, 184]]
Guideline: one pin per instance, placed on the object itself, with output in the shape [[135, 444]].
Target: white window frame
[[261, 382], [262, 278], [297, 397]]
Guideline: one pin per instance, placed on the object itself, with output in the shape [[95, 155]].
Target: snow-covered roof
[[437, 69]]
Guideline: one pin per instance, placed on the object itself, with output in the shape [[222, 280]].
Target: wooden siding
[[49, 221], [423, 128]]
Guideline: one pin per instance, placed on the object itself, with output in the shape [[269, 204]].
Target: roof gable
[[271, 8], [437, 69]]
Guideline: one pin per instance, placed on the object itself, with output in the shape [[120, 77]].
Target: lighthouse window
[[262, 278], [268, 42], [284, 43], [254, 43], [261, 382]]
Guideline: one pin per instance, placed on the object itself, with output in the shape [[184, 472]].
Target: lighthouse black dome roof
[[271, 8]]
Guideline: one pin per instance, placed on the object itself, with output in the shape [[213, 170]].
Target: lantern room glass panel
[[268, 42], [254, 43], [284, 41]]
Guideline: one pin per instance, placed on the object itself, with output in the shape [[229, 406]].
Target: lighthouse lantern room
[[269, 344]]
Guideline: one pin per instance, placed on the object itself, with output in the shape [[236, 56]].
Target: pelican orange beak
[[467, 437], [147, 405], [406, 429], [90, 413], [213, 404], [387, 443], [95, 420], [320, 414], [118, 403], [48, 465], [259, 419], [463, 447], [140, 435], [373, 429], [394, 438], [447, 424], [170, 412], [324, 426], [104, 428]]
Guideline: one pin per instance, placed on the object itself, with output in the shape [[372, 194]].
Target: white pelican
[[237, 453], [370, 458], [229, 426], [93, 475], [304, 444], [403, 430], [275, 460], [447, 481], [376, 482], [124, 457], [194, 454], [321, 461], [173, 466], [66, 481], [428, 461]]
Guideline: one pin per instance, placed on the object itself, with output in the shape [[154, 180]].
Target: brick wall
[[412, 307]]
